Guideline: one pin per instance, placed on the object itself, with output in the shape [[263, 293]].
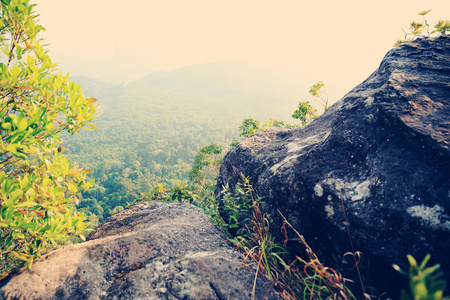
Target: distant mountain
[[96, 88], [232, 87], [217, 77]]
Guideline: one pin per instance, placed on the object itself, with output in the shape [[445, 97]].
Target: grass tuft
[[292, 276]]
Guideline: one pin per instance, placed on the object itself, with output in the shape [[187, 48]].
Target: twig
[[351, 242]]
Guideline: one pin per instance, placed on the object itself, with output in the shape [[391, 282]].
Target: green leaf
[[46, 181], [24, 183], [30, 263], [412, 261], [425, 261], [52, 235], [28, 225], [13, 197], [8, 241], [28, 204], [15, 72], [421, 290], [6, 126], [423, 13], [75, 221], [11, 148], [21, 256], [34, 118], [19, 235], [23, 124]]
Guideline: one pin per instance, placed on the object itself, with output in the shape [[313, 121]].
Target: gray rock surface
[[153, 250], [384, 149]]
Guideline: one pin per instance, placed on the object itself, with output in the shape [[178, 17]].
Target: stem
[[351, 242]]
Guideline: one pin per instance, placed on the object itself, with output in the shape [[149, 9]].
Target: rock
[[153, 250], [384, 149]]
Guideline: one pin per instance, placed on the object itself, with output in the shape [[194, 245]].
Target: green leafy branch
[[305, 112], [38, 185]]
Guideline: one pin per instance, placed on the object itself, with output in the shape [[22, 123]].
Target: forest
[[150, 130]]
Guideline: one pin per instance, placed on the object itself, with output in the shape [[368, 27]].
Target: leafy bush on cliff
[[38, 185]]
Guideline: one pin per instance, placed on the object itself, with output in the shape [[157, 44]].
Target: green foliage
[[200, 191], [159, 192], [315, 89], [442, 27], [234, 143], [305, 113], [205, 168], [318, 91], [251, 126], [423, 13], [418, 29], [202, 180], [184, 193], [238, 204], [275, 123], [38, 185], [138, 145], [425, 283], [160, 122]]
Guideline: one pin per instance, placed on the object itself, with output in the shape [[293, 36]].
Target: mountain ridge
[[224, 82]]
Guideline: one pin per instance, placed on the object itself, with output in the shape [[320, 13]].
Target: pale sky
[[339, 42]]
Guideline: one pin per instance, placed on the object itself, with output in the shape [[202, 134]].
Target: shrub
[[38, 185]]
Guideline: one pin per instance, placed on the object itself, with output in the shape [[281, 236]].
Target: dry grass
[[292, 276]]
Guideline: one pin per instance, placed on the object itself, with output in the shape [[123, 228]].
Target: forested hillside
[[151, 129]]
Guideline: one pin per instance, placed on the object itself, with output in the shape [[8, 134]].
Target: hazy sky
[[339, 42]]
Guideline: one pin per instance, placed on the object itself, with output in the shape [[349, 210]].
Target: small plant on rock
[[251, 126], [425, 283], [237, 205], [418, 29], [305, 112]]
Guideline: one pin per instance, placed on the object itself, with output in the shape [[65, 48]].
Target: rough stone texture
[[385, 147], [154, 250]]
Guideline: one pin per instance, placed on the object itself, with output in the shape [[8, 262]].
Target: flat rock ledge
[[153, 250]]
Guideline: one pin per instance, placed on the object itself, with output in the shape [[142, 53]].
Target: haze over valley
[[150, 129]]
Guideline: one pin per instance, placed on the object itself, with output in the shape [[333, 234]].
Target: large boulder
[[153, 250], [382, 152]]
